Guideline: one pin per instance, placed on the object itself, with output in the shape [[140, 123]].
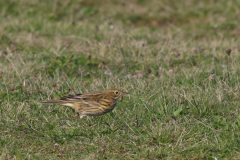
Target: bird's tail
[[62, 102]]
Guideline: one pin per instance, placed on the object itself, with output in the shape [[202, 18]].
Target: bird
[[91, 104]]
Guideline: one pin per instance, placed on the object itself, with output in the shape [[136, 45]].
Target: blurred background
[[177, 59]]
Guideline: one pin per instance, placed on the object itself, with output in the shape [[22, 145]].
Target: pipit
[[91, 104]]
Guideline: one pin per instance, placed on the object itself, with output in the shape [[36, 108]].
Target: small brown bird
[[91, 104]]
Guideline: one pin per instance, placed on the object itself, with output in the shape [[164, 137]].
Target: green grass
[[170, 56]]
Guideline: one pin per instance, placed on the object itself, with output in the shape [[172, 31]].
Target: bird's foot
[[81, 117], [76, 116]]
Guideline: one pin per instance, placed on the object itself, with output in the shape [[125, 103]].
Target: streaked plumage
[[91, 104]]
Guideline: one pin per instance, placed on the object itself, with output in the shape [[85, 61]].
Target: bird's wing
[[69, 98], [87, 100], [72, 97], [82, 97]]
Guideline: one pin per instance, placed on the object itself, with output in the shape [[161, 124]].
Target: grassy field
[[170, 56]]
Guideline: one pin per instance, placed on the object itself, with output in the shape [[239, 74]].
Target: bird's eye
[[116, 92]]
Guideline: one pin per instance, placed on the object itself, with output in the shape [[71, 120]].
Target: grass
[[171, 57]]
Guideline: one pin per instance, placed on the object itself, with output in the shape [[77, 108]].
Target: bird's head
[[115, 93]]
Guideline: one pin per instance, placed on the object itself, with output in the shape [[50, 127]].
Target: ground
[[178, 60]]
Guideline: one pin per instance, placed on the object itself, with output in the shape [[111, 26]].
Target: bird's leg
[[75, 117], [81, 117]]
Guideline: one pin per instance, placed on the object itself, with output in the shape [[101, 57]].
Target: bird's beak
[[125, 93]]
